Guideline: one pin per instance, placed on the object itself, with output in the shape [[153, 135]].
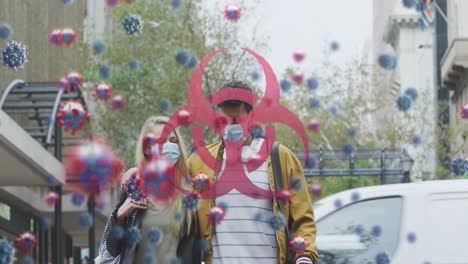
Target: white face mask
[[170, 150], [234, 133]]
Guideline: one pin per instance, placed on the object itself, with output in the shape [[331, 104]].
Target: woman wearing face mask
[[178, 238]]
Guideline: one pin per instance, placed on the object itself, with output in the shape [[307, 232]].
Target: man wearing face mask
[[247, 234]]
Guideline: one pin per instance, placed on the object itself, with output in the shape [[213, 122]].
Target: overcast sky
[[309, 25]]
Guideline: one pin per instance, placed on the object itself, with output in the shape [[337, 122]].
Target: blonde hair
[[184, 181]]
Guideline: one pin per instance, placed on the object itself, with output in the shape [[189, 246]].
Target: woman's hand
[[126, 176], [127, 208]]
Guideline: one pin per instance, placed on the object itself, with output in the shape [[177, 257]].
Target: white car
[[412, 223]]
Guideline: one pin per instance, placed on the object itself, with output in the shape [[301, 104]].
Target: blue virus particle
[[333, 110], [176, 3], [105, 72], [203, 245], [7, 252], [85, 220], [175, 260], [312, 83], [412, 93], [352, 132], [132, 25], [409, 3], [154, 236], [404, 103], [296, 183], [338, 203], [359, 230], [5, 31], [223, 205], [355, 196], [117, 232], [258, 132], [349, 149], [459, 166], [134, 65], [382, 258], [67, 2], [191, 202], [28, 260], [99, 47], [285, 85], [14, 55], [312, 163], [411, 237], [314, 103], [165, 105], [182, 57], [77, 199], [417, 140], [45, 223], [376, 231], [387, 61], [334, 46], [277, 221], [191, 63], [255, 76], [149, 257], [178, 216], [133, 235]]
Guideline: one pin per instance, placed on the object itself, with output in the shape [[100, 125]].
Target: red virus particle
[[201, 182], [159, 179], [64, 84], [118, 102], [75, 79], [56, 37], [232, 13], [314, 126], [103, 91], [299, 56], [69, 36], [73, 116], [316, 190], [464, 111], [297, 78], [51, 199], [216, 215], [26, 241], [298, 245]]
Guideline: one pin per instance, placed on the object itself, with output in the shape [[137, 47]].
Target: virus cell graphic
[[296, 183], [14, 55], [277, 221], [134, 189], [216, 215], [78, 198], [159, 179], [134, 65], [352, 132], [298, 245], [255, 76], [314, 126], [56, 37], [85, 220], [359, 230], [118, 102], [154, 236], [382, 258], [103, 91], [201, 182], [284, 195], [182, 57], [258, 132], [112, 3], [404, 103], [133, 235], [297, 78], [464, 111], [99, 47], [64, 84], [314, 103], [185, 117], [232, 13], [411, 237], [285, 85], [26, 241], [7, 252], [191, 201], [412, 93], [75, 79], [132, 25], [409, 3], [316, 190], [312, 83], [5, 31], [376, 231], [459, 166], [69, 36], [417, 140], [117, 232], [165, 105], [349, 149], [299, 56], [72, 115], [176, 3], [338, 203], [333, 110], [105, 72], [51, 199], [387, 61], [334, 46], [92, 166], [191, 63]]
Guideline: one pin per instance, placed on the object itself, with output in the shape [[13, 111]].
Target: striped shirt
[[245, 235]]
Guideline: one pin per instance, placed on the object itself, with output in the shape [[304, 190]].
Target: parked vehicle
[[413, 223]]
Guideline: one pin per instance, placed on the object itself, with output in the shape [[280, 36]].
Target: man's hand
[[126, 176], [127, 208]]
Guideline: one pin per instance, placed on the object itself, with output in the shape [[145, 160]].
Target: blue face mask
[[170, 151], [234, 133]]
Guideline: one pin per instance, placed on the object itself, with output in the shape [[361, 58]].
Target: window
[[358, 232]]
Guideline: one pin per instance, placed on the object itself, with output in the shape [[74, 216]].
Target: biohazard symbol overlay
[[198, 112]]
